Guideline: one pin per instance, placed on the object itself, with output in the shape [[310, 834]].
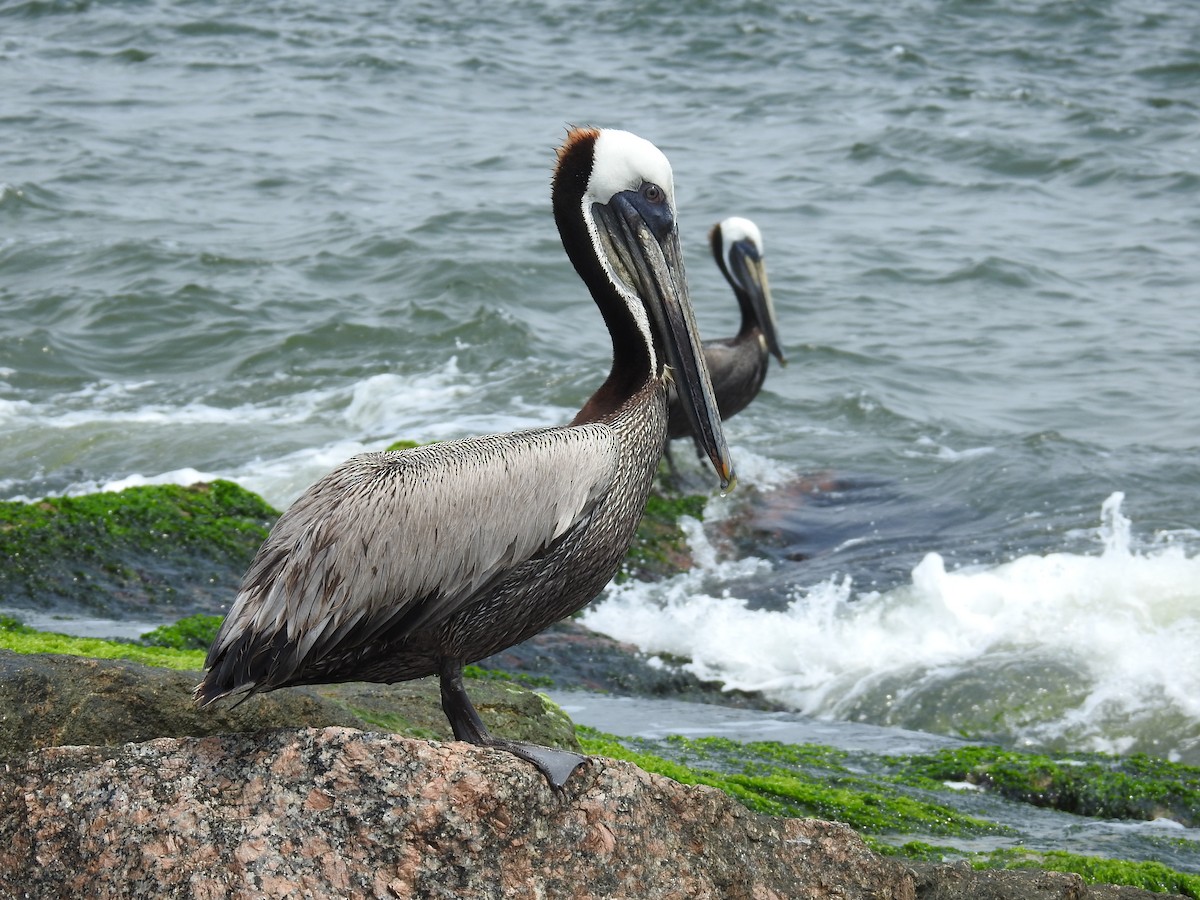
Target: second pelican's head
[[614, 203], [737, 246]]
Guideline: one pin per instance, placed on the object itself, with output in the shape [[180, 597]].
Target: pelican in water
[[737, 365], [398, 565]]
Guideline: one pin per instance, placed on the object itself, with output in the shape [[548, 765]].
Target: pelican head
[[737, 246], [614, 202]]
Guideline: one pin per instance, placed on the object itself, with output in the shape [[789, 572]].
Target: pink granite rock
[[337, 812]]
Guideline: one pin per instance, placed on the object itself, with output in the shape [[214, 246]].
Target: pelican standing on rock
[[737, 365], [398, 565]]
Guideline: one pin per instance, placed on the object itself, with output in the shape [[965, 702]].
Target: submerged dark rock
[[571, 656]]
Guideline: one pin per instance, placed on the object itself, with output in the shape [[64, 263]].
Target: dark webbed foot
[[557, 765]]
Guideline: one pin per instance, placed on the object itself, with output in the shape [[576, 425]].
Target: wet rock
[[959, 881], [340, 813], [152, 552], [48, 700], [413, 708], [573, 657]]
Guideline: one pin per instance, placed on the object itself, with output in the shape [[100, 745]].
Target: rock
[[413, 708], [49, 700], [958, 881], [158, 551], [337, 812], [574, 657]]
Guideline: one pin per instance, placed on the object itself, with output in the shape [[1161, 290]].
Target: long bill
[[751, 273], [652, 264]]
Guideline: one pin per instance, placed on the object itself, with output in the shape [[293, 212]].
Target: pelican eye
[[653, 193]]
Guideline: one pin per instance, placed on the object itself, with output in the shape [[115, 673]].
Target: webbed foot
[[557, 765]]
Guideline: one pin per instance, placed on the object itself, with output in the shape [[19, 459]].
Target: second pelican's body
[[738, 365], [398, 565]]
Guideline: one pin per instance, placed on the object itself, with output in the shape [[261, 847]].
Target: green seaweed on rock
[[1086, 784], [22, 639], [775, 779], [660, 547], [144, 546], [189, 633], [1150, 876]]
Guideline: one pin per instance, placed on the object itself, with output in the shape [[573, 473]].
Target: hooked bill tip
[[728, 482]]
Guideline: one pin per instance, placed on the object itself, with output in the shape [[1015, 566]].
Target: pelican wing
[[409, 535]]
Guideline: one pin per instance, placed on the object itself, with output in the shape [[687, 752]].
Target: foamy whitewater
[[1096, 651]]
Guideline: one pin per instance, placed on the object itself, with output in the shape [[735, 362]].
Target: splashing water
[[1062, 650]]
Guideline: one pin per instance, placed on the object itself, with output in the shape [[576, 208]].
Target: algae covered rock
[[53, 700], [413, 708], [158, 551], [660, 547], [1136, 786]]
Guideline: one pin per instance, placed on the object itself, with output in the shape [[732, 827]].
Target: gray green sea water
[[248, 240]]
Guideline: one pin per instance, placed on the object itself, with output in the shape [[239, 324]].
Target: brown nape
[[574, 168], [571, 177], [576, 134]]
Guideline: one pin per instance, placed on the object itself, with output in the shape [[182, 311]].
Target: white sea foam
[[13, 410], [124, 404], [367, 415], [761, 471], [429, 407], [927, 446], [1100, 651], [281, 480]]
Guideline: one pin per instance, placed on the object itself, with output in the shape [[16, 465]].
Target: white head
[[735, 229], [614, 202], [622, 162]]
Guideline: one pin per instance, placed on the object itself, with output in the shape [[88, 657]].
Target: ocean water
[[249, 240]]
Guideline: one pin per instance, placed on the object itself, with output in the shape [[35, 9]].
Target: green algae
[[212, 515], [529, 681], [195, 632], [11, 625], [401, 445], [790, 780], [1131, 787], [810, 756], [1150, 876], [158, 545], [395, 723], [22, 639], [182, 645], [813, 780], [659, 547]]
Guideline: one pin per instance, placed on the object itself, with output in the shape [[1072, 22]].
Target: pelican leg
[[674, 472], [557, 765]]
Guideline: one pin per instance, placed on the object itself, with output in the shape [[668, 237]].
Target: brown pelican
[[737, 365], [398, 565]]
